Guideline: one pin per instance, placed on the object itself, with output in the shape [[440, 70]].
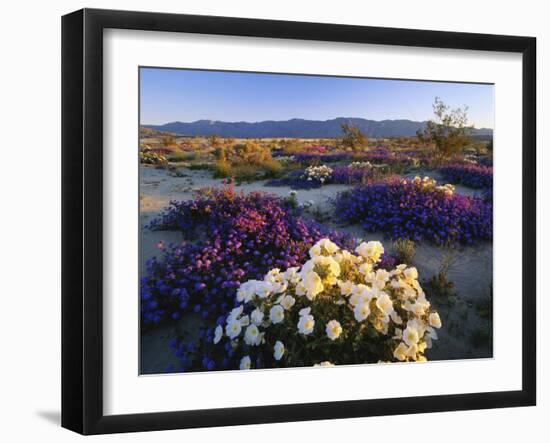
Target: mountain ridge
[[298, 128]]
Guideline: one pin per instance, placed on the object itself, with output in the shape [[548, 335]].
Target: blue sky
[[169, 95]]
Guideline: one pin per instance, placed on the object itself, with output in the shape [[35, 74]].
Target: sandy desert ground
[[466, 334]]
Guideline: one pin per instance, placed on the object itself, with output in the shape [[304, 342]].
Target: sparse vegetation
[[448, 131], [404, 250]]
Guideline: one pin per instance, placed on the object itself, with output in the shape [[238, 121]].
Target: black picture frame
[[82, 218]]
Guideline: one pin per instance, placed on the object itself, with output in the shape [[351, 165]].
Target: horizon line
[[295, 118]]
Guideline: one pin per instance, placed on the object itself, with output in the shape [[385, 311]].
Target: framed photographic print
[[269, 221]]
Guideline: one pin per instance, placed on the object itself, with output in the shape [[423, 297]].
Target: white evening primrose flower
[[410, 273], [334, 329], [276, 314], [328, 246], [400, 353], [434, 320], [412, 352], [365, 268], [245, 363], [410, 335], [235, 313], [431, 335], [380, 279], [278, 350], [315, 250], [346, 287], [246, 291], [323, 364], [233, 329], [218, 333], [396, 318], [287, 302], [263, 289], [361, 311], [306, 324], [344, 255], [312, 284], [291, 275], [256, 317], [361, 294], [273, 276], [372, 250], [300, 289], [384, 303], [329, 264], [304, 311], [252, 335], [243, 293]]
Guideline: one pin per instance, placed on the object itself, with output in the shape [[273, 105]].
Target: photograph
[[294, 221]]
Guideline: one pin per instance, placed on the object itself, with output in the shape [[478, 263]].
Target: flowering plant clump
[[236, 237], [469, 174], [319, 174], [417, 209], [150, 157], [295, 180], [360, 165], [336, 308], [309, 158], [352, 174]]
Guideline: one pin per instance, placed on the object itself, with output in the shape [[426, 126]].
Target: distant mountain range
[[298, 128]]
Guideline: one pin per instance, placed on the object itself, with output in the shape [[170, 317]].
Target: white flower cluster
[[360, 165], [317, 173], [429, 184], [285, 159], [337, 299]]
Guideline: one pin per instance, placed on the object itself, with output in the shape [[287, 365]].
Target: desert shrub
[[246, 172], [469, 174], [417, 209], [439, 284], [272, 168], [404, 250], [236, 237], [198, 166], [335, 308], [245, 162], [178, 157], [222, 169]]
